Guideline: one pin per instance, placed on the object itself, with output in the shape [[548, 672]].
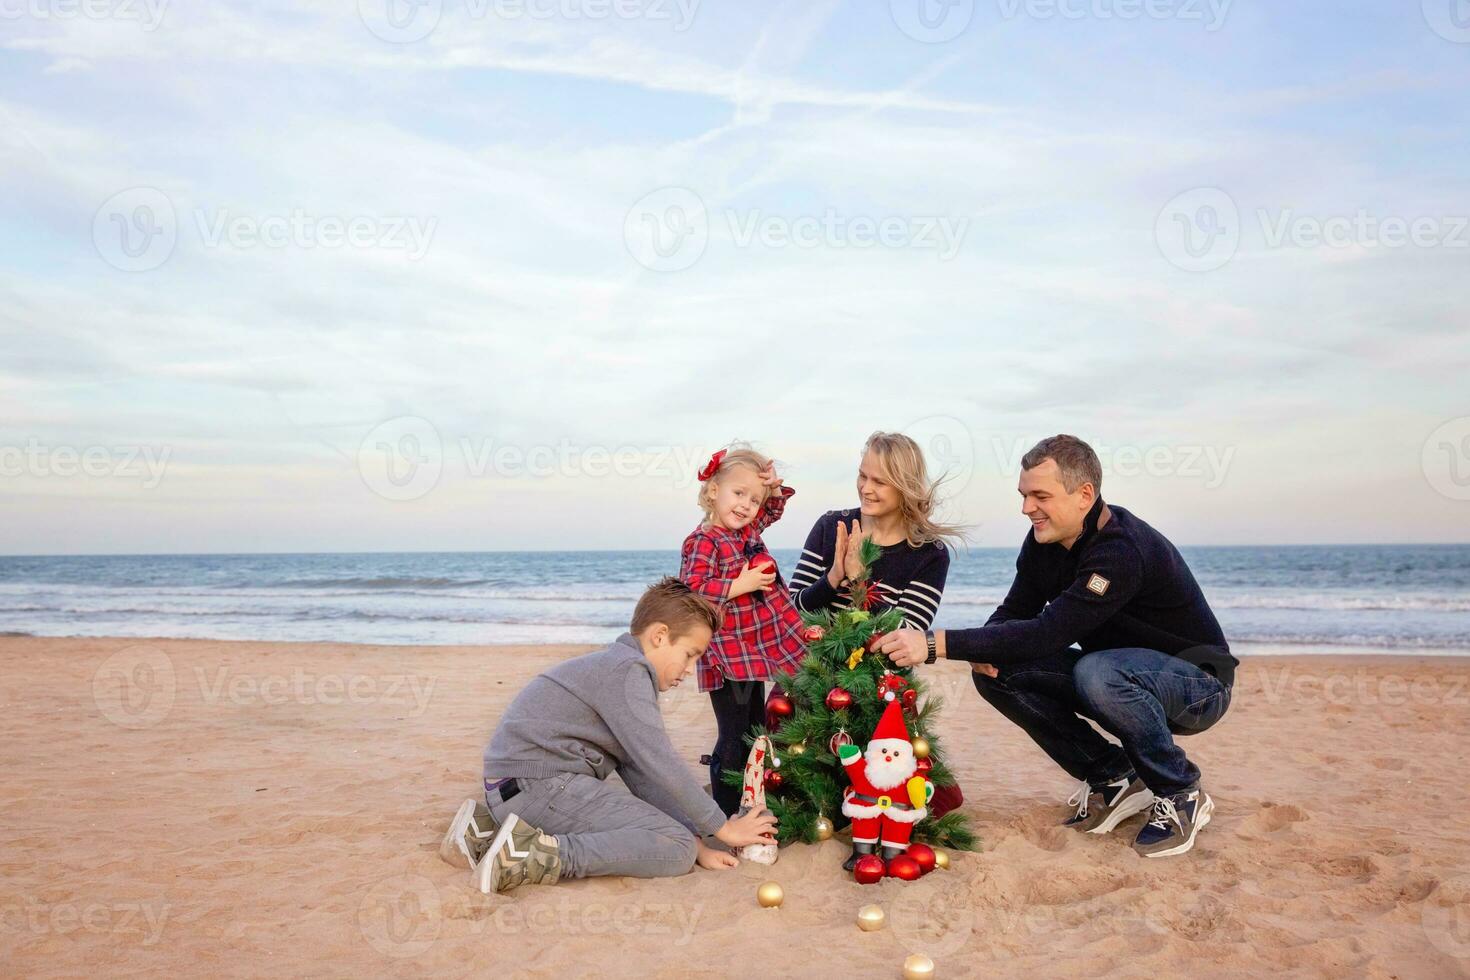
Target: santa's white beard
[[892, 773]]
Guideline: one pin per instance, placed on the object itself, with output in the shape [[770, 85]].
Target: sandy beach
[[188, 808]]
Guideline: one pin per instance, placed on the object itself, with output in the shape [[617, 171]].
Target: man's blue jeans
[[1142, 697]]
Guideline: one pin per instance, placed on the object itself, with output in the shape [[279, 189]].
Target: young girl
[[740, 495]]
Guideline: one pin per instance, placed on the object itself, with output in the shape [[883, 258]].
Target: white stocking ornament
[[753, 797]]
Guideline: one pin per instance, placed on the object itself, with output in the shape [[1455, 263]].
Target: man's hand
[[756, 827], [751, 580], [715, 860], [906, 648], [987, 669]]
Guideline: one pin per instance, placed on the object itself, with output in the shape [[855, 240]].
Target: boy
[[548, 814]]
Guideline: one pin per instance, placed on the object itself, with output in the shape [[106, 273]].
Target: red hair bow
[[711, 466]]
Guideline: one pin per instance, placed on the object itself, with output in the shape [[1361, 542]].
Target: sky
[[500, 274]]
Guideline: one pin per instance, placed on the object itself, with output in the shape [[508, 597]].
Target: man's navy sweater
[[1119, 585]]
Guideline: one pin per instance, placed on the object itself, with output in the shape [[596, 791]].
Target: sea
[[1410, 599]]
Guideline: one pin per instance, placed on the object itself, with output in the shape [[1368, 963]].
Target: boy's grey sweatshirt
[[595, 714]]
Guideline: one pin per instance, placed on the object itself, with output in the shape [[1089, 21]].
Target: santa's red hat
[[891, 725]]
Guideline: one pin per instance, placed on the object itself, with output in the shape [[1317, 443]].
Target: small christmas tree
[[835, 700]]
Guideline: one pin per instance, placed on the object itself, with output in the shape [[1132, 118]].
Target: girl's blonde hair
[[901, 465], [736, 454]]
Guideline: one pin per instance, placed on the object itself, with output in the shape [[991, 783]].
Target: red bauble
[[763, 562], [813, 633], [873, 642], [910, 699], [779, 706], [838, 741], [868, 870], [838, 699], [924, 855], [904, 867], [923, 765], [773, 779]]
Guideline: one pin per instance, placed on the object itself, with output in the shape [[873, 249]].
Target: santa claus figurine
[[886, 798]]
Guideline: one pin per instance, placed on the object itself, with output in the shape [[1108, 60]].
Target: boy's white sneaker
[[469, 835]]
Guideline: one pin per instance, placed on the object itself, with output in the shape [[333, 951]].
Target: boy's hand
[[751, 580], [756, 827], [714, 860]]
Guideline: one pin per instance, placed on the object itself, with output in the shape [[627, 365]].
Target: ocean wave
[[380, 583], [1333, 602]]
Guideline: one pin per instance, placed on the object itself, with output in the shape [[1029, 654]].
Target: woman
[[896, 499], [896, 504]]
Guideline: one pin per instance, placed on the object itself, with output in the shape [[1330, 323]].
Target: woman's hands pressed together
[[847, 561]]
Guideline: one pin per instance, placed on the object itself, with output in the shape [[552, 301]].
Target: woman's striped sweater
[[910, 578]]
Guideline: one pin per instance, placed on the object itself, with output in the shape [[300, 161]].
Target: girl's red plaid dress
[[762, 633]]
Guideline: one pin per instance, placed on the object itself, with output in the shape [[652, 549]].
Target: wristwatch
[[933, 652]]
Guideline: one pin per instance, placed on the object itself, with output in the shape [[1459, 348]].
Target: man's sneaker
[[519, 855], [469, 835], [1099, 810], [1174, 823]]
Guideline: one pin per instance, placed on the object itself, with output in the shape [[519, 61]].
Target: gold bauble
[[921, 747], [918, 967], [770, 895], [825, 829], [941, 858], [796, 748], [871, 918]]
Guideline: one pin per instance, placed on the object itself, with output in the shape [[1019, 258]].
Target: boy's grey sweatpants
[[600, 829]]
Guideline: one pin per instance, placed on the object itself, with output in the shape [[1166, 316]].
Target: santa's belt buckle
[[884, 802]]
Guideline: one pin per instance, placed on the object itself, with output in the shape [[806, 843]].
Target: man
[[1153, 662], [548, 814]]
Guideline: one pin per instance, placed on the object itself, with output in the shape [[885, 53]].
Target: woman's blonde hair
[[735, 454], [901, 465]]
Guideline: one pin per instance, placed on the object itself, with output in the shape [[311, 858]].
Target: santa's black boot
[[890, 852], [858, 850]]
